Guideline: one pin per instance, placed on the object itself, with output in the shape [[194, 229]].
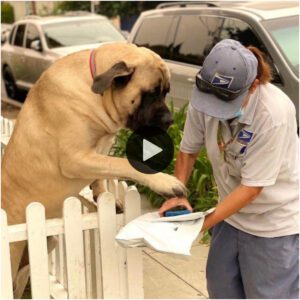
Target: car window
[[19, 38], [156, 33], [32, 35], [195, 37], [12, 34], [73, 33], [285, 33], [242, 32]]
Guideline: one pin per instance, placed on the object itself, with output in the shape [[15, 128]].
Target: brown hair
[[264, 72]]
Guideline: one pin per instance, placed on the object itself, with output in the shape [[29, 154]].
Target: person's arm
[[183, 169], [184, 165], [237, 199], [192, 141]]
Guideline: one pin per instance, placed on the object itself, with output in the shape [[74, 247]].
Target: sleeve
[[193, 134], [265, 157]]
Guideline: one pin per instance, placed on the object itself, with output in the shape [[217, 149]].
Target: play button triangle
[[150, 150]]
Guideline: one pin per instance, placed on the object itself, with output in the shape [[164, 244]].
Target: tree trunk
[[33, 7]]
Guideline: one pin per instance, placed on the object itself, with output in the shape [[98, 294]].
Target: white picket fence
[[86, 262], [7, 127]]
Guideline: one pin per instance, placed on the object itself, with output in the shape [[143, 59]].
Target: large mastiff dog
[[68, 123]]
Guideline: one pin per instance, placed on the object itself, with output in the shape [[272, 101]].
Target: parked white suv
[[36, 42], [183, 33]]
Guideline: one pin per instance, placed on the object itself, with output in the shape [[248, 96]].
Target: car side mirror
[[36, 45]]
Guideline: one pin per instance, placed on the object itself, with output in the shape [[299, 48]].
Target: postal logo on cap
[[222, 81]]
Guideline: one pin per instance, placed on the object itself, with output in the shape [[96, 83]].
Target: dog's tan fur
[[65, 130]]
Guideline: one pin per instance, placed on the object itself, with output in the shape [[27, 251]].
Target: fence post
[[74, 248], [37, 248], [122, 259], [134, 255], [6, 280], [107, 232], [97, 286], [88, 259]]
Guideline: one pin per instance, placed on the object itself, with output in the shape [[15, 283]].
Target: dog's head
[[136, 80]]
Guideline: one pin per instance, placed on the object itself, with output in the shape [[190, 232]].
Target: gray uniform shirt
[[263, 152]]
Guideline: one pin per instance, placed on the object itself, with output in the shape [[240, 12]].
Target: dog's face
[[137, 83]]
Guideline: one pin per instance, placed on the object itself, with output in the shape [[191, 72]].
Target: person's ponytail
[[264, 73]]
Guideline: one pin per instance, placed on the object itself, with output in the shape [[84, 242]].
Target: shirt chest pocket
[[234, 157]]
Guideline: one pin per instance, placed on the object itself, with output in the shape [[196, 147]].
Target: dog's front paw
[[166, 185]]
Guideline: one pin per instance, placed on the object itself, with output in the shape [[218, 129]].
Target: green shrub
[[7, 13], [202, 188], [65, 6]]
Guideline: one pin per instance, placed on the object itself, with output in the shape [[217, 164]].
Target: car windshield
[[76, 33], [285, 33]]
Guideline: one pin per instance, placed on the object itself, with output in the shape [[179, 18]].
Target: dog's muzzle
[[159, 117]]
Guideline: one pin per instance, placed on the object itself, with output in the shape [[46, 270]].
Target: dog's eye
[[132, 101], [155, 94]]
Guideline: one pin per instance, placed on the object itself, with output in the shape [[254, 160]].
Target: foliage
[[7, 13], [64, 6], [125, 8], [202, 188], [107, 8]]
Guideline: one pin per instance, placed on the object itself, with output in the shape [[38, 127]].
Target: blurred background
[[34, 34], [122, 13]]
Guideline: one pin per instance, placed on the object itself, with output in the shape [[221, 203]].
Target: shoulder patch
[[244, 136]]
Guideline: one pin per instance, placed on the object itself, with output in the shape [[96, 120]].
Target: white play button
[[150, 150]]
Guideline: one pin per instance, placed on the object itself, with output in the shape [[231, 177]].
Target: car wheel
[[9, 82]]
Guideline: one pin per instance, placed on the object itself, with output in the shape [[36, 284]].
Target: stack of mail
[[166, 234]]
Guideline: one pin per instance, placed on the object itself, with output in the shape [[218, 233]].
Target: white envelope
[[166, 234]]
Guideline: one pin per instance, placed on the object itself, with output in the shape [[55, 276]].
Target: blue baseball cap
[[228, 67]]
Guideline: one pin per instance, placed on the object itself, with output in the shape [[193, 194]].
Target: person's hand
[[173, 202]]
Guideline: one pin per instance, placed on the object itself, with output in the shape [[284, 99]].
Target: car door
[[195, 37], [17, 57], [36, 61]]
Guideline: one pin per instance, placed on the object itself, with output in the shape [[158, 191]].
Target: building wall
[[44, 7], [23, 8]]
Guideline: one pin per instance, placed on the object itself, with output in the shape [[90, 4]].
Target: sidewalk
[[174, 276]]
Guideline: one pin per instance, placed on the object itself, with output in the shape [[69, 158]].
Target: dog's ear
[[120, 72]]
